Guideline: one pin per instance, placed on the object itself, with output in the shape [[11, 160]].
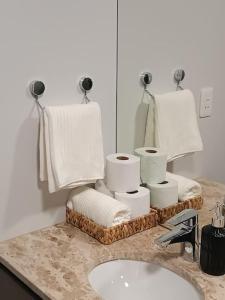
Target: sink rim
[[174, 269]]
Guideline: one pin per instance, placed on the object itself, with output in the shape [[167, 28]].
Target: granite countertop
[[54, 262]]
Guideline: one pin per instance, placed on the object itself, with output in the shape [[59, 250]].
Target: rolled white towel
[[98, 207], [101, 187], [187, 188]]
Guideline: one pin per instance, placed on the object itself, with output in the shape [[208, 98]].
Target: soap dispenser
[[212, 254], [224, 208]]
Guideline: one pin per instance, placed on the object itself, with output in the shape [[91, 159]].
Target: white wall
[[57, 42], [159, 36]]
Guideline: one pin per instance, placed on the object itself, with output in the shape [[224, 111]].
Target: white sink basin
[[137, 280]]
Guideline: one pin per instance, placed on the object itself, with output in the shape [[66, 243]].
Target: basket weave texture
[[110, 235], [170, 211]]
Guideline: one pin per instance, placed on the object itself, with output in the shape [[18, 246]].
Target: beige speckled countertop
[[55, 261]]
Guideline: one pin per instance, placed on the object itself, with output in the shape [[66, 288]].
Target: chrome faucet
[[183, 228]]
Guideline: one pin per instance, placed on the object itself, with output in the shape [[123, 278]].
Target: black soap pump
[[212, 255]]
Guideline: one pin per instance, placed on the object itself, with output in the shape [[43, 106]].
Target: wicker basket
[[168, 212], [110, 235]]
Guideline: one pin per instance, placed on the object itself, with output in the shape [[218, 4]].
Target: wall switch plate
[[206, 102]]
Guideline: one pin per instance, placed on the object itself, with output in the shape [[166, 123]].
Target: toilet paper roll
[[163, 194], [153, 164], [138, 201], [122, 172]]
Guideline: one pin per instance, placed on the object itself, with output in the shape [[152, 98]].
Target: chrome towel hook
[[179, 75], [37, 89], [86, 84], [146, 79]]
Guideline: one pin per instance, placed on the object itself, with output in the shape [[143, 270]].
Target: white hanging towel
[[175, 127], [98, 207], [71, 146], [187, 188]]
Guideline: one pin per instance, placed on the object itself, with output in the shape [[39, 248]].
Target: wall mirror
[[160, 37]]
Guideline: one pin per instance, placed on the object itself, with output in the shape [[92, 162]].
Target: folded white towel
[[98, 207], [71, 146], [101, 187], [187, 188], [175, 128]]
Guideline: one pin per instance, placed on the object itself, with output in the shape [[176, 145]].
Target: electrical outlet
[[206, 102]]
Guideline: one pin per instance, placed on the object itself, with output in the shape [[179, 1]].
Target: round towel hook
[[179, 75], [146, 78], [37, 88], [86, 84]]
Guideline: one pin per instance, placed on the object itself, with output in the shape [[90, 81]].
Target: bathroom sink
[[137, 280]]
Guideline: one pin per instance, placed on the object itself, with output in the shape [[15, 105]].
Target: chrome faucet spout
[[175, 233], [185, 216], [183, 228]]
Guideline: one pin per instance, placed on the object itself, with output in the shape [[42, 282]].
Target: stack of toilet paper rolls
[[123, 180], [164, 192]]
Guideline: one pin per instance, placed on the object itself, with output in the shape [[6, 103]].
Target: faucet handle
[[182, 217]]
